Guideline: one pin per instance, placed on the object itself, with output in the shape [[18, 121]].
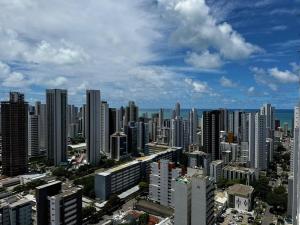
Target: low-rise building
[[125, 176], [240, 197], [239, 173]]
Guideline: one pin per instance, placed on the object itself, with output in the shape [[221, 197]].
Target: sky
[[202, 53]]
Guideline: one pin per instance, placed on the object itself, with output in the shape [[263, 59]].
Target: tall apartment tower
[[261, 154], [33, 135], [41, 112], [162, 182], [177, 109], [177, 132], [296, 168], [193, 125], [142, 136], [118, 146], [82, 120], [57, 101], [93, 134], [211, 130], [195, 203], [202, 200], [251, 139], [268, 111], [131, 113], [14, 126], [104, 126], [161, 118]]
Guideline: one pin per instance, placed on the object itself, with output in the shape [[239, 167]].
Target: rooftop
[[240, 189], [239, 168], [136, 161], [47, 185]]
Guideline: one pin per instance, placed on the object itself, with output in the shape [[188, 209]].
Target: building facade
[[57, 101], [14, 127]]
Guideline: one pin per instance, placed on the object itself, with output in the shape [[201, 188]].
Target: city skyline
[[154, 52]]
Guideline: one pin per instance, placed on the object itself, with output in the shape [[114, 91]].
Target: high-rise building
[[177, 132], [14, 126], [177, 109], [237, 124], [182, 201], [251, 139], [268, 111], [131, 113], [57, 101], [72, 120], [118, 146], [277, 124], [33, 135], [93, 134], [82, 121], [162, 181], [15, 211], [112, 120], [260, 142], [244, 130], [55, 206], [41, 112], [296, 168], [193, 126], [202, 200], [195, 203], [131, 132], [66, 207], [142, 137], [104, 127], [211, 132], [161, 118]]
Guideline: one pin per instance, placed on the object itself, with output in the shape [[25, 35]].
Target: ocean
[[284, 115]]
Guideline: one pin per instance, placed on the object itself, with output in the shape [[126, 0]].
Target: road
[[268, 217]]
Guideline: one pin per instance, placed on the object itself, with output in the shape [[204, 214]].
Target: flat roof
[[240, 189], [47, 185], [197, 153], [217, 162], [239, 168], [80, 145], [136, 161]]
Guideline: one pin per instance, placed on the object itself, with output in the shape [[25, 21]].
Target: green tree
[[261, 187], [144, 186], [278, 199], [143, 219]]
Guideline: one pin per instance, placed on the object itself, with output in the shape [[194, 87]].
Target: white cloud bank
[[110, 45]]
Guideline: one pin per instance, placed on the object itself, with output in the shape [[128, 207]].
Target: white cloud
[[112, 45], [198, 86], [262, 77], [225, 82], [12, 79], [46, 53], [198, 30], [274, 77], [283, 76], [205, 60], [251, 89], [57, 82]]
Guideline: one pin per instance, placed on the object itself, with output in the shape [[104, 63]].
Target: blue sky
[[205, 54]]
